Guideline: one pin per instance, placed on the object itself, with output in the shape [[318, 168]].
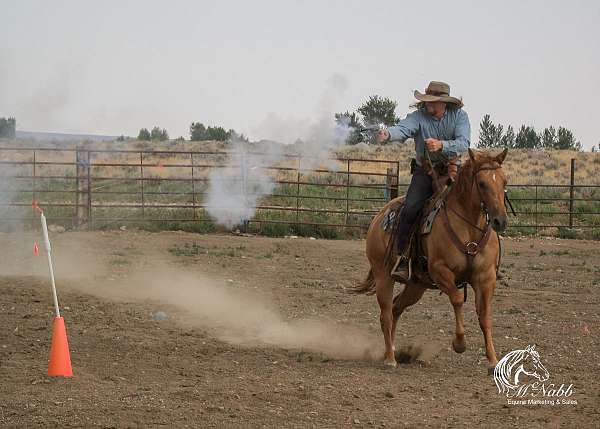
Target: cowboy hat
[[438, 91]]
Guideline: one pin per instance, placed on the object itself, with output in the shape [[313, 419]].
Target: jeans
[[419, 191]]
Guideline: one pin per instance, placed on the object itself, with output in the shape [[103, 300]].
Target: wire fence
[[96, 189]]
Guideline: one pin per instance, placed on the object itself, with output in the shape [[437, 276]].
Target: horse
[[515, 363], [474, 210]]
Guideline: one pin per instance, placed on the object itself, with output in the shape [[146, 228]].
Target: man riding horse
[[442, 132]]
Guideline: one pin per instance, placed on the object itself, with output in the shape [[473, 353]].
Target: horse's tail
[[367, 286]]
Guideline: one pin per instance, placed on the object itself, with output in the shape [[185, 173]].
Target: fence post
[[297, 194], [571, 192], [82, 194], [537, 222], [193, 187], [142, 182], [33, 220], [89, 189], [347, 192], [391, 184]]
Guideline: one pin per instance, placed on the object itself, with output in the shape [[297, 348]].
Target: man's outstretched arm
[[405, 129]]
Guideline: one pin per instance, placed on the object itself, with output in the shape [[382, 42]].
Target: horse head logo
[[516, 363]]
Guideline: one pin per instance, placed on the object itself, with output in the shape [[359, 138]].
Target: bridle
[[472, 248], [482, 206]]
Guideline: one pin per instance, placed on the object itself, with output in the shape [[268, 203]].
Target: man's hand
[[433, 145], [382, 135]]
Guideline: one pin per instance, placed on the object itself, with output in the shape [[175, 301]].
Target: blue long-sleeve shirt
[[454, 131]]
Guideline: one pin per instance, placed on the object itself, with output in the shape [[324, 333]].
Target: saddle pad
[[390, 216]]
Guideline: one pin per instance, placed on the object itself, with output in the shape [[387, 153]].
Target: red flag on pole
[[34, 205]]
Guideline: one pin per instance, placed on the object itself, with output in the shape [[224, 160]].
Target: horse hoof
[[459, 346], [390, 363]]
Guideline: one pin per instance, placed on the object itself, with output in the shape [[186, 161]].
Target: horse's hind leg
[[385, 293], [411, 294]]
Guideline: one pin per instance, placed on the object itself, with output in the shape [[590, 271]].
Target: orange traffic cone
[[60, 359]]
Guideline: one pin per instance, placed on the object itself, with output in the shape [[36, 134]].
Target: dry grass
[[523, 167]]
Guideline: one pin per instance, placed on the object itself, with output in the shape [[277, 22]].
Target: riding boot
[[400, 271], [419, 191]]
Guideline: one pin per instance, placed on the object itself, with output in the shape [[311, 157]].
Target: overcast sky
[[112, 67]]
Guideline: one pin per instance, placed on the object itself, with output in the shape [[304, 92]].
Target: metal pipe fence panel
[[107, 188]]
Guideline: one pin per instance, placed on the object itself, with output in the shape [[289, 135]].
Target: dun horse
[[462, 246]]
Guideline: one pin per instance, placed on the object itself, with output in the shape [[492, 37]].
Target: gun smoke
[[236, 190]]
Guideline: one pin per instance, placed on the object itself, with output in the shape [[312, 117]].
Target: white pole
[[48, 252], [244, 183]]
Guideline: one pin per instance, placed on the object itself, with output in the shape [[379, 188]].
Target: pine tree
[[548, 138], [527, 138], [8, 128], [197, 132], [566, 140], [159, 134], [144, 134], [490, 135], [485, 132], [508, 139]]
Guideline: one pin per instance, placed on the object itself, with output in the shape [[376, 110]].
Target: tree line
[[378, 110], [198, 132], [381, 110], [496, 136], [155, 134]]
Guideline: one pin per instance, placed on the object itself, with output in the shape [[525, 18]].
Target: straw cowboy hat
[[438, 91]]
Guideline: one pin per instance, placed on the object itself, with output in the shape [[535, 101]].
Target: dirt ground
[[185, 330]]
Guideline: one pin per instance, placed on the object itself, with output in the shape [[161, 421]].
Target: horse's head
[[532, 365], [490, 181]]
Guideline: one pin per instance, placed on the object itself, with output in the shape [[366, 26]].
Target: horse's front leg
[[484, 285], [445, 279]]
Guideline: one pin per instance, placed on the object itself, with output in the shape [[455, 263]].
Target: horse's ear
[[500, 158], [472, 155]]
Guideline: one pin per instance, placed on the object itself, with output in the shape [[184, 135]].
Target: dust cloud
[[227, 311], [240, 316]]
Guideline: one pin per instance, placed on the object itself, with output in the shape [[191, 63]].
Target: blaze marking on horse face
[[494, 177]]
